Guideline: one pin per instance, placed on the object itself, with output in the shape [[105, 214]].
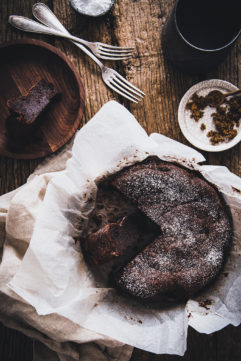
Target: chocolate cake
[[119, 239], [25, 110], [112, 240], [193, 238]]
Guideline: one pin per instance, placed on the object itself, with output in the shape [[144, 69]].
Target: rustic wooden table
[[135, 23]]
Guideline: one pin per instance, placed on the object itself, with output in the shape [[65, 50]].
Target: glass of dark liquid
[[198, 34]]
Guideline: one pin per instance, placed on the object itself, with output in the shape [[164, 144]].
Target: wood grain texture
[[138, 23], [14, 346], [23, 63]]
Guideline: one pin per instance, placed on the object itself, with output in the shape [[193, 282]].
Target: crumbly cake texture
[[112, 240], [26, 110], [195, 232], [117, 230]]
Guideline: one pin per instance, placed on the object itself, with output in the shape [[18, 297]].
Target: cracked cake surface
[[194, 231]]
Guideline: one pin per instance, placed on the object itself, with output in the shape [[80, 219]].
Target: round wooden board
[[22, 64]]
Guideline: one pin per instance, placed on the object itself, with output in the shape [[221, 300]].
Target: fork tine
[[127, 91], [131, 90], [106, 53], [121, 93], [115, 51], [116, 47], [114, 58], [128, 83]]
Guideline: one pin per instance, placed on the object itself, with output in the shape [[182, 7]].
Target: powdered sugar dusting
[[195, 231], [214, 256]]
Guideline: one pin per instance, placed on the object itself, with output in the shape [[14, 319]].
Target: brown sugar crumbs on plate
[[225, 118], [196, 106]]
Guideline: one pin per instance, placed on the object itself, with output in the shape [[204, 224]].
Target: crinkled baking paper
[[54, 277]]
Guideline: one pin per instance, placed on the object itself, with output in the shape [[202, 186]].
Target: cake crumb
[[206, 304], [236, 190]]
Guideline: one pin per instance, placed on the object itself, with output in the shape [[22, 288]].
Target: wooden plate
[[22, 64]]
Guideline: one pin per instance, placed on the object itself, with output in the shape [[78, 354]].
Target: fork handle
[[25, 24], [232, 93], [91, 55], [45, 15]]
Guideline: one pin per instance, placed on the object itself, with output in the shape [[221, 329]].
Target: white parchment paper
[[53, 276]]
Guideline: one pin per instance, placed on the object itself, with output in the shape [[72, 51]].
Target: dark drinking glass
[[199, 33]]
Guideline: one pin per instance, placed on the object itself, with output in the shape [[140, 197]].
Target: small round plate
[[191, 129], [22, 64]]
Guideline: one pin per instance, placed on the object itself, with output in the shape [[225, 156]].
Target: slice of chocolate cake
[[123, 238], [25, 110], [112, 240]]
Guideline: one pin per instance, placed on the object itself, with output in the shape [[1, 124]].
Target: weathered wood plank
[[14, 346], [138, 23]]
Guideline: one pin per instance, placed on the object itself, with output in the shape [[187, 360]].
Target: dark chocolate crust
[[195, 232]]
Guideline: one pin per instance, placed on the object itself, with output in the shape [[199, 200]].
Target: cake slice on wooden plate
[[26, 110]]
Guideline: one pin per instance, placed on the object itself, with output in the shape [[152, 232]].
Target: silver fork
[[103, 51], [40, 11], [111, 77]]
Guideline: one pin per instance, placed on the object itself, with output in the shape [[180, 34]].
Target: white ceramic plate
[[191, 129]]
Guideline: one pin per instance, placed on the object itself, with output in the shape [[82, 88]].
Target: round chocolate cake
[[190, 238]]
